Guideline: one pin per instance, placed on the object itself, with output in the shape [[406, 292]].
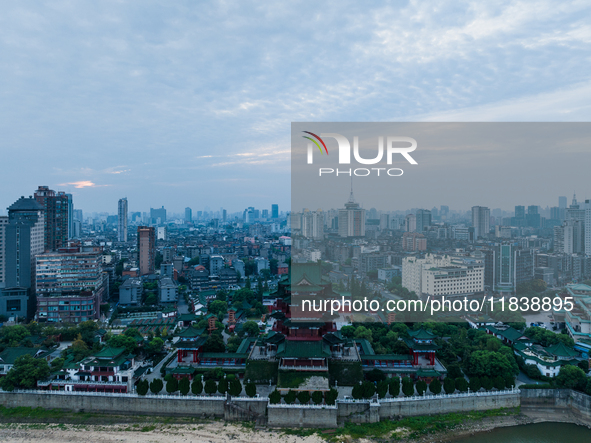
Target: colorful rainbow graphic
[[315, 142]]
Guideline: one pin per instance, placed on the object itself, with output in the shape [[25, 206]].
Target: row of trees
[[304, 397], [392, 386], [231, 385]]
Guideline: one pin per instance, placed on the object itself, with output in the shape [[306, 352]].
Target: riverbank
[[26, 424]]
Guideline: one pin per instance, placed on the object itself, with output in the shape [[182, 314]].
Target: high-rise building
[[55, 214], [384, 222], [588, 227], [507, 266], [3, 223], [23, 240], [122, 220], [70, 216], [188, 215], [224, 215], [480, 221], [423, 219], [70, 285], [352, 219], [147, 249], [410, 223], [158, 216], [533, 217], [274, 211], [313, 224]]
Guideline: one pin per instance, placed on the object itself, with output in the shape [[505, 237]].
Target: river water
[[536, 433]]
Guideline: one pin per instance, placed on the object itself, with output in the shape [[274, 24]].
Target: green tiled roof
[[420, 346], [190, 332], [366, 347], [422, 334], [221, 355], [561, 350], [243, 348], [109, 353], [427, 373], [9, 355], [303, 349]]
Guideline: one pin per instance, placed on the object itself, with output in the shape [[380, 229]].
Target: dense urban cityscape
[[205, 303]]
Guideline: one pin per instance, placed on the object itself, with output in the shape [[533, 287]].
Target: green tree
[[331, 396], [357, 392], [156, 386], [382, 388], [461, 384], [194, 261], [489, 363], [303, 397], [57, 363], [197, 386], [155, 346], [25, 373], [123, 341], [421, 387], [499, 383], [184, 386], [218, 308], [317, 397], [449, 385], [275, 397], [214, 343], [363, 332], [233, 343], [375, 375], [368, 389], [251, 328], [251, 389], [408, 388], [223, 386], [509, 381], [142, 387], [588, 387], [172, 384], [151, 299], [235, 387], [290, 397], [394, 386], [210, 387], [486, 383], [475, 384], [435, 386], [571, 377]]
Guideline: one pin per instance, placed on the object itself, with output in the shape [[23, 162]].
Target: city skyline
[[145, 107]]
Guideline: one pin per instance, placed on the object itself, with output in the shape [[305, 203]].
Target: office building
[[122, 220], [313, 224], [507, 266], [147, 249], [274, 211], [3, 223], [588, 228], [71, 285], [423, 219], [216, 264], [55, 214], [188, 215], [352, 219], [158, 216], [70, 216], [443, 275], [23, 239], [162, 233], [480, 221]]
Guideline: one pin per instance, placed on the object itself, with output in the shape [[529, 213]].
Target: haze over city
[[179, 106]]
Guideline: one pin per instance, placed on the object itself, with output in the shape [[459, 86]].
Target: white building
[[162, 233], [216, 263], [122, 220], [443, 275]]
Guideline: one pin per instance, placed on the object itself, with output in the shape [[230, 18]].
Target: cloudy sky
[[189, 103]]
